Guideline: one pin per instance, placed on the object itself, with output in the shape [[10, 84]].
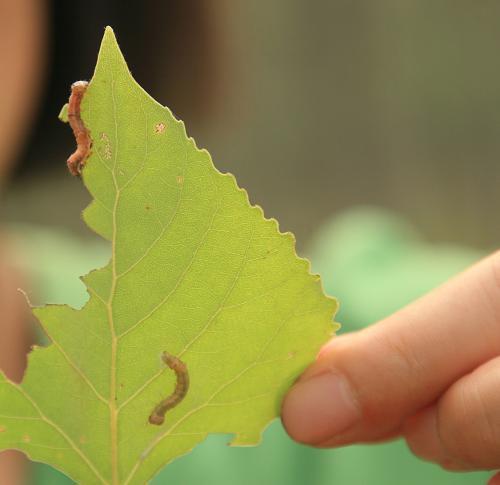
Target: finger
[[364, 385], [462, 430]]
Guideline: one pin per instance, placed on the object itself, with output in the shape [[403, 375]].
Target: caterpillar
[[77, 159], [181, 388]]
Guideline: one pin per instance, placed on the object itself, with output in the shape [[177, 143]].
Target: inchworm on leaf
[[181, 388], [77, 159]]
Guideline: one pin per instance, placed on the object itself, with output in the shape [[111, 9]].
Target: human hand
[[429, 373], [14, 344]]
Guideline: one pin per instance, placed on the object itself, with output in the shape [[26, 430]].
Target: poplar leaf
[[195, 271]]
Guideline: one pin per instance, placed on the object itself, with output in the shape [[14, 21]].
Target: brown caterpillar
[[181, 388], [76, 160]]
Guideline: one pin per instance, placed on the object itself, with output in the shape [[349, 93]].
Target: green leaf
[[196, 271]]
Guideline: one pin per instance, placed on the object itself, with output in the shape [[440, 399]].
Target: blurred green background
[[369, 129]]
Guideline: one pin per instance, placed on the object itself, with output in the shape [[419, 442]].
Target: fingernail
[[317, 409]]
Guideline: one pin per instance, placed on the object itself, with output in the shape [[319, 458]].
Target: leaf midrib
[[113, 421]]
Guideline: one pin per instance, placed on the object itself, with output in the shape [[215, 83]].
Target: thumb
[[363, 386]]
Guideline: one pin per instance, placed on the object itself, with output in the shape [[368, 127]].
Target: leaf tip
[[109, 52], [109, 36]]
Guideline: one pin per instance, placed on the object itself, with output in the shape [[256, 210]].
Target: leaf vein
[[181, 277], [63, 434]]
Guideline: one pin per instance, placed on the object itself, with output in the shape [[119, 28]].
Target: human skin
[[429, 373], [14, 343], [22, 58]]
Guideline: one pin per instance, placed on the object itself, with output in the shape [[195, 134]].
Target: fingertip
[[319, 408]]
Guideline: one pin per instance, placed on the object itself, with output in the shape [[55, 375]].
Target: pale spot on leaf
[[106, 152], [160, 128]]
